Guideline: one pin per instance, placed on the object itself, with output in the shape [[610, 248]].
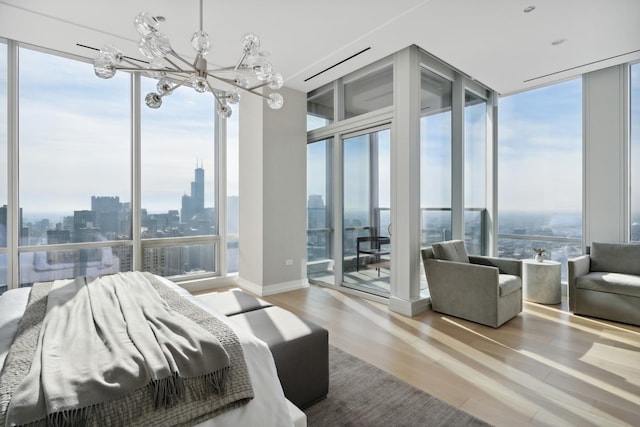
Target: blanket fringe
[[78, 417], [215, 381], [167, 391]]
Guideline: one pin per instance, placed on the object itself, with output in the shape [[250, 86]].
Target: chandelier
[[250, 73]]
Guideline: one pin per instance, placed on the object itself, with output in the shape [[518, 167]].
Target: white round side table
[[541, 281]]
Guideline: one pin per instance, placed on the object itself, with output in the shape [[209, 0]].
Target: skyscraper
[[194, 203]]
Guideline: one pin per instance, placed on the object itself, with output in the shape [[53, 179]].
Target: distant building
[[194, 203]]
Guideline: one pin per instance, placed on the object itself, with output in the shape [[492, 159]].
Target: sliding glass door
[[366, 211]]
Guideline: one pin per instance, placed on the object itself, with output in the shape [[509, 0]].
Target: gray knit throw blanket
[[123, 350]]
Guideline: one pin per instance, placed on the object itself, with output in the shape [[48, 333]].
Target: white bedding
[[268, 408]]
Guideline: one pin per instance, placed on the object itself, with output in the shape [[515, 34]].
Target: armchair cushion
[[615, 258], [451, 251], [508, 283]]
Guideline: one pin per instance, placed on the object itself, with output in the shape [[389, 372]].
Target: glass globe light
[[155, 45], [104, 67], [155, 65], [241, 81], [275, 101], [153, 100], [262, 70], [164, 86], [250, 44], [275, 81], [224, 111], [199, 84], [233, 97], [113, 53], [145, 24], [200, 42]]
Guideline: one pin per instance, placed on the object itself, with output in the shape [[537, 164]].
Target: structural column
[[405, 186], [606, 153], [273, 158]]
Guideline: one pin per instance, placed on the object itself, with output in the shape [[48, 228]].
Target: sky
[[540, 163], [74, 124], [540, 149]]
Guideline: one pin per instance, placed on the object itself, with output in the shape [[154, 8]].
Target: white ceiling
[[493, 41]]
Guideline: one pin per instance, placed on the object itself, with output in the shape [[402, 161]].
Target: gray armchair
[[605, 283], [485, 290]]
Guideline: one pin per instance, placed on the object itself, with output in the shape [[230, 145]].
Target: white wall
[[273, 193], [605, 156]]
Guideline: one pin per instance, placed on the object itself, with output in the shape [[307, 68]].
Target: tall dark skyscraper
[[194, 203]]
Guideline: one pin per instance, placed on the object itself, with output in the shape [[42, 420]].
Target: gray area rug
[[362, 395]]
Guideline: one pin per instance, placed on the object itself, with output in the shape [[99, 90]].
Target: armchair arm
[[505, 265], [576, 267]]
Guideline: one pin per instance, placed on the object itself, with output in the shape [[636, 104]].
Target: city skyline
[[173, 139]]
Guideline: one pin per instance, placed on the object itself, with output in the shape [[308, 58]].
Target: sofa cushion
[[615, 257], [613, 283], [508, 283], [452, 250]]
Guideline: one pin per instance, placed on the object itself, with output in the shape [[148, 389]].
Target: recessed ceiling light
[[529, 9], [558, 42]]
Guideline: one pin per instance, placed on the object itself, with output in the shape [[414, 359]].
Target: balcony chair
[[375, 246], [485, 290]]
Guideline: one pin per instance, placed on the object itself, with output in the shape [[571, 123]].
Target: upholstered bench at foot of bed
[[233, 302], [300, 348]]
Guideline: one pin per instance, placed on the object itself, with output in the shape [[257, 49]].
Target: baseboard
[[409, 308], [263, 291]]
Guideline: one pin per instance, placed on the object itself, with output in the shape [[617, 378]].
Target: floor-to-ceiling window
[[74, 169], [475, 173], [4, 170], [349, 180], [366, 211], [233, 192], [70, 199], [540, 172], [179, 137], [635, 152], [435, 158], [319, 211]]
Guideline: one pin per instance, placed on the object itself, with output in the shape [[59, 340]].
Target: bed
[[269, 407]]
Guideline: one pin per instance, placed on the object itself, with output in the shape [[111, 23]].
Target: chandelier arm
[[173, 52], [246, 89], [170, 91], [215, 95], [240, 61], [219, 70], [123, 56], [135, 67], [256, 93], [257, 86], [138, 69], [176, 68], [225, 80]]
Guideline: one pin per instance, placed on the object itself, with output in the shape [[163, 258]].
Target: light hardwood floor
[[544, 367]]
